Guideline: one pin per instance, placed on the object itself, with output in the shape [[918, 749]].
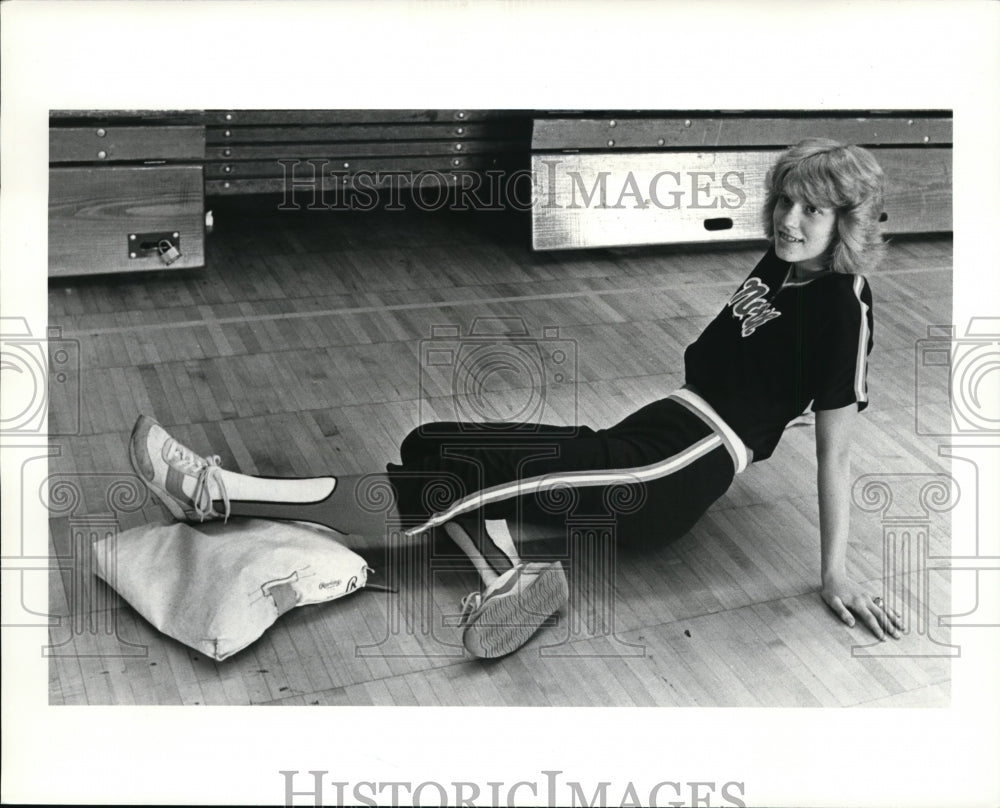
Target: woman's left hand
[[847, 599]]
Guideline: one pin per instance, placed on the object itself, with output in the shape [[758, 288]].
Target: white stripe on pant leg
[[737, 448], [574, 479]]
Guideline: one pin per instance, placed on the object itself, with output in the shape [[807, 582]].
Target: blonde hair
[[829, 174]]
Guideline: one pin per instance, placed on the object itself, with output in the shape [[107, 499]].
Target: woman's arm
[[833, 481]]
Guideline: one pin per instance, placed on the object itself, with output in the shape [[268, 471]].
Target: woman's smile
[[803, 232]]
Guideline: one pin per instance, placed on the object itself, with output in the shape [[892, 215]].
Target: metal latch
[[165, 244]]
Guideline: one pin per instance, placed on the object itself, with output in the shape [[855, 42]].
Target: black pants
[[654, 473]]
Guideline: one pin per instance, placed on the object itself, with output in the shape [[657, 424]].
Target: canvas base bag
[[217, 587]]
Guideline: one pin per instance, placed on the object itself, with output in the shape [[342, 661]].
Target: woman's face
[[802, 232]]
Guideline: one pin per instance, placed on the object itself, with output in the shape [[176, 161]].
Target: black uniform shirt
[[780, 345]]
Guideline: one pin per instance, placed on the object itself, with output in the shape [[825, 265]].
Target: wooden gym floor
[[296, 352]]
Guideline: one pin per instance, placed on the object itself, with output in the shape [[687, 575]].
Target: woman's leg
[[449, 473], [445, 464], [501, 617], [651, 476], [458, 532], [515, 598], [653, 503], [195, 488]]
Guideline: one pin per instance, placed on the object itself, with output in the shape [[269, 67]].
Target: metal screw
[[227, 152], [927, 139], [227, 169], [909, 122], [176, 235], [225, 185], [612, 123], [102, 132], [460, 115], [131, 236], [460, 130], [347, 165], [131, 255], [660, 142], [456, 162], [458, 147], [611, 143], [687, 123], [101, 154], [227, 133], [229, 116]]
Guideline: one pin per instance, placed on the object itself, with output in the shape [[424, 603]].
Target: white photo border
[[561, 55]]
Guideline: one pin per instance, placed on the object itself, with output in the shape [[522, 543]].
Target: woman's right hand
[[847, 598]]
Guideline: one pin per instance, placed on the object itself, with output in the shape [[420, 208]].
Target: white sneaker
[[510, 611], [185, 483]]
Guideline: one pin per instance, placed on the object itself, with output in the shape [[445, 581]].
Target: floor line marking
[[437, 304]]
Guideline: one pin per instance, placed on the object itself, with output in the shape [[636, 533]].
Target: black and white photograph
[[531, 426], [538, 349]]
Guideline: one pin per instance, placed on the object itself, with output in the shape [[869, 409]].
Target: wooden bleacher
[[255, 151], [123, 181], [631, 179], [116, 174]]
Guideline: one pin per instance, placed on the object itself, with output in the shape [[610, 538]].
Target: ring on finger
[[877, 601]]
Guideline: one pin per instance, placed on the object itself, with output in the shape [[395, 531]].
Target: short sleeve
[[845, 343]]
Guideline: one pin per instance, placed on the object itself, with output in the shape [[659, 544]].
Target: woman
[[796, 335]]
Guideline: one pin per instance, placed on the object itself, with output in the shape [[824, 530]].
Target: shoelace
[[469, 604], [211, 472], [205, 470]]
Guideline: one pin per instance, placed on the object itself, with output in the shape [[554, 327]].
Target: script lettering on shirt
[[750, 306]]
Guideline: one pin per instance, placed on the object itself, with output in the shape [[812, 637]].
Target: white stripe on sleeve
[[861, 365]]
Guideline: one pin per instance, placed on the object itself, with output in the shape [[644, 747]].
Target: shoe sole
[[507, 622]]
